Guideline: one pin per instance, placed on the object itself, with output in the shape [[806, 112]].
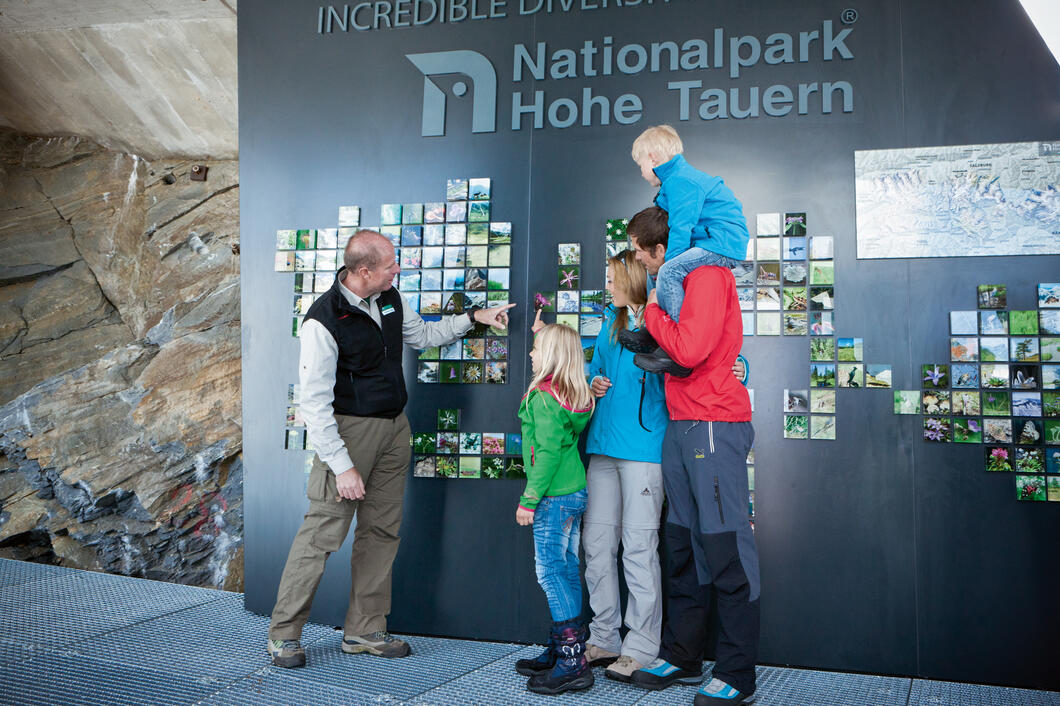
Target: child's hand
[[600, 385], [523, 516], [652, 298], [537, 325]]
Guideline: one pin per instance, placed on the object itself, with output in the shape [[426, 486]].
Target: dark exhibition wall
[[880, 551]]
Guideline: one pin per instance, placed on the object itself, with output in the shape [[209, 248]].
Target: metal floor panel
[[777, 685], [497, 684], [943, 693], [272, 686], [62, 678], [13, 573], [434, 661]]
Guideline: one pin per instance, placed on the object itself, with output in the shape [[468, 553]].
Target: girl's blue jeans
[[670, 282], [557, 534]]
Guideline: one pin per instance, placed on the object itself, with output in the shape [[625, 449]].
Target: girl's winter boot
[[571, 671]]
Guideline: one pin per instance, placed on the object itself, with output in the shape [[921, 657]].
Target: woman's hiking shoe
[[598, 656], [661, 674], [380, 644], [622, 669], [286, 653]]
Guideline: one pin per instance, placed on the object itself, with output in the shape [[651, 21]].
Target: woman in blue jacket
[[624, 484]]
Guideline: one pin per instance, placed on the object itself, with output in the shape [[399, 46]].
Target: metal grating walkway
[[76, 637]]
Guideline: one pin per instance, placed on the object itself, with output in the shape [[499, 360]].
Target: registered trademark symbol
[[849, 16]]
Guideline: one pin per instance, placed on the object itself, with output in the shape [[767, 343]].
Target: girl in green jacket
[[554, 411]]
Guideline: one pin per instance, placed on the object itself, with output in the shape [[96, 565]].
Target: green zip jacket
[[550, 445]]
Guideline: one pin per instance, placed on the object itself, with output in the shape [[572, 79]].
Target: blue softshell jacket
[[702, 211], [614, 429]]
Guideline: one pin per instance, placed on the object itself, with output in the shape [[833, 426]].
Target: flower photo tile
[[569, 253], [615, 229], [965, 402], [569, 277], [937, 429], [993, 375], [286, 239], [496, 372], [935, 375], [472, 373], [821, 323], [967, 431], [996, 403], [795, 224]]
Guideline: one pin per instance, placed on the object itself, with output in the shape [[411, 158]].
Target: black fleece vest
[[368, 380]]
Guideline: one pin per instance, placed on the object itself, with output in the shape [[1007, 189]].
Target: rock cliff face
[[120, 438]]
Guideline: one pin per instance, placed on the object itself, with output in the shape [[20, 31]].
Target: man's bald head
[[367, 248]]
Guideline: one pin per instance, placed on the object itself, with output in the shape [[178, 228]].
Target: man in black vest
[[352, 397]]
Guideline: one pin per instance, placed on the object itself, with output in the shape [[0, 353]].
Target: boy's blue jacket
[[702, 211], [614, 429]]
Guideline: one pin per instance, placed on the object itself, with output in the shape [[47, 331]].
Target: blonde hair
[[662, 141], [561, 356], [631, 278]]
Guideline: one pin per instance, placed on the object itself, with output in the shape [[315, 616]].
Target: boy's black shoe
[[661, 674], [638, 341], [542, 664], [660, 362]]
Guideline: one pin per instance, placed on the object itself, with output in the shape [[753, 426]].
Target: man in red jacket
[[704, 465]]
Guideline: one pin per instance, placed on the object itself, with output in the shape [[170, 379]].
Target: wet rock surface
[[120, 437]]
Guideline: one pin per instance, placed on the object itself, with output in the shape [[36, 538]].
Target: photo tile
[[1051, 405], [567, 302], [907, 401], [411, 236], [1049, 349], [449, 419], [746, 297], [998, 458], [768, 299], [935, 375], [794, 249], [993, 375], [795, 324], [500, 233], [749, 253], [456, 189], [492, 467], [590, 325], [964, 349], [455, 256], [545, 301], [1023, 323], [449, 372], [391, 233], [434, 212], [768, 324], [470, 467], [768, 275], [410, 258], [1026, 404], [499, 278], [937, 429], [569, 253], [822, 348], [474, 348], [767, 249], [794, 273], [615, 229], [478, 212], [496, 372], [1029, 461], [569, 277], [303, 282], [996, 403], [456, 212], [966, 402], [1049, 322], [1027, 431], [499, 255], [327, 238], [478, 234], [322, 281], [447, 467], [850, 375], [493, 444], [1023, 349], [453, 279], [390, 214], [412, 214], [472, 373], [305, 260], [821, 247], [993, 323], [478, 189], [327, 260], [306, 239], [295, 439], [822, 401], [748, 323], [448, 442], [455, 233], [497, 348], [424, 467], [423, 442], [822, 375], [768, 224], [850, 349], [343, 237], [744, 273], [349, 216], [795, 299], [992, 296], [796, 426], [967, 430], [1025, 377], [476, 255], [1052, 483], [1049, 295], [822, 427], [992, 349], [795, 224], [285, 261], [878, 375], [1051, 377], [796, 401], [613, 249], [568, 320], [821, 323], [822, 298], [592, 301], [822, 272], [286, 239], [302, 302], [935, 402], [431, 280], [434, 235], [513, 444], [513, 468]]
